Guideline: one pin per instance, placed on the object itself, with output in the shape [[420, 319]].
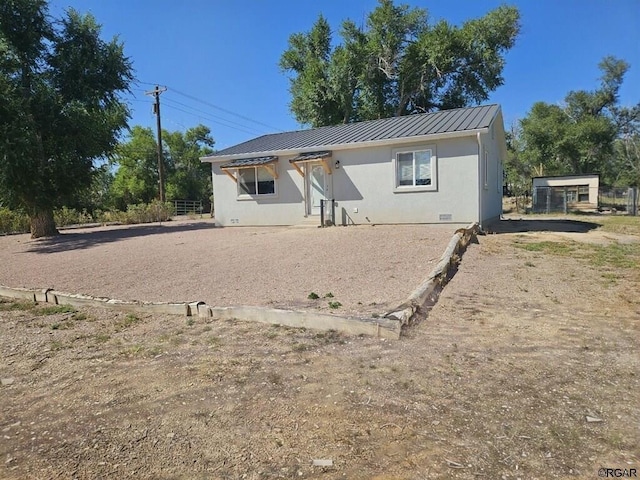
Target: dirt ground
[[526, 368]]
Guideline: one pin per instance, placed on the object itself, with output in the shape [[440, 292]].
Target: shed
[[563, 193]]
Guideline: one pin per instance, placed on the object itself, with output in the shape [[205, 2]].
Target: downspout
[[304, 190], [480, 178]]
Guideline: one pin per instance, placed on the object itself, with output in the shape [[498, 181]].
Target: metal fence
[[620, 199], [188, 207], [549, 200], [633, 201], [561, 200]]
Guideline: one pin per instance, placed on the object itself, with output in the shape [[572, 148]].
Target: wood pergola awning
[[266, 162], [320, 157]]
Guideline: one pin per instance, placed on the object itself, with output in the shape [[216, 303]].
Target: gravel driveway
[[367, 269]]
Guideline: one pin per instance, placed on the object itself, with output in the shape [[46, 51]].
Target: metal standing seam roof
[[250, 162], [445, 121], [305, 157]]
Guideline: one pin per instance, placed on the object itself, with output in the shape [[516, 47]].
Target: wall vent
[[445, 217]]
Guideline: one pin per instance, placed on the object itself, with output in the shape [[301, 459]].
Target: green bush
[[18, 222], [70, 216], [149, 212], [13, 222]]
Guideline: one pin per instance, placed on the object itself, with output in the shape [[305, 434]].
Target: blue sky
[[219, 59]]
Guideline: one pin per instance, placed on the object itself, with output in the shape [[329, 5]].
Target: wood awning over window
[[266, 162], [320, 157]]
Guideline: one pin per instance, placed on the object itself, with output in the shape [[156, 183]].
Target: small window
[[571, 194], [415, 169], [583, 193], [255, 181]]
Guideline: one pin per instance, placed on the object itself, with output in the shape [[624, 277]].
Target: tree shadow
[[81, 240], [540, 225]]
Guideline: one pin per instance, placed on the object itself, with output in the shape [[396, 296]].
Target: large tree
[[580, 135], [399, 64], [59, 109]]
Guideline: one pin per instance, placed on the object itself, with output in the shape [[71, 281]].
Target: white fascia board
[[350, 146]]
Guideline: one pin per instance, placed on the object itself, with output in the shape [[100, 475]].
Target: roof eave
[[350, 146]]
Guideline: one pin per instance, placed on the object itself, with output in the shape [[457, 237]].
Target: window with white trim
[[255, 181], [415, 169]]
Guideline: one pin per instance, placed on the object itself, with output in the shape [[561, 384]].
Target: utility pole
[[156, 109]]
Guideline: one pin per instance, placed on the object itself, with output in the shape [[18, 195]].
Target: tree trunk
[[43, 224]]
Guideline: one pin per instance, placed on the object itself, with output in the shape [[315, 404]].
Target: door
[[317, 189]]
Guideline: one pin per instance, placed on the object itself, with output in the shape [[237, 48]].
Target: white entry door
[[317, 189]]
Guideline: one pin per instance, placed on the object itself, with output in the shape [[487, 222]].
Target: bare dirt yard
[[527, 367]]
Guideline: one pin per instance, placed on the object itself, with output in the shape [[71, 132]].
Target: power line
[[211, 114], [270, 127], [225, 110], [214, 121]]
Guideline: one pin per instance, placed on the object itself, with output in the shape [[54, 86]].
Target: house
[[442, 167], [563, 193]]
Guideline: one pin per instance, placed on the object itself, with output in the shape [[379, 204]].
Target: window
[[415, 170], [255, 181], [571, 194], [583, 193], [576, 193]]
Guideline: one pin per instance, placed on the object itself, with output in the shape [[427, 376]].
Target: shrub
[[18, 222], [70, 216], [13, 222], [138, 213]]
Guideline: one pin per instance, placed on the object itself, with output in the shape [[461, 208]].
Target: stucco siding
[[364, 187], [286, 207], [491, 180], [366, 181]]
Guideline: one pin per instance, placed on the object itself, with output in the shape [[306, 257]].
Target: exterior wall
[[593, 182], [286, 207], [366, 181], [491, 178], [364, 187]]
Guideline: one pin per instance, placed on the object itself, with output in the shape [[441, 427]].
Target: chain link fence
[[567, 199], [620, 199]]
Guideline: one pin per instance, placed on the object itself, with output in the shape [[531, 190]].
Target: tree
[[580, 136], [60, 110], [136, 179], [190, 179], [626, 164], [517, 170], [400, 64]]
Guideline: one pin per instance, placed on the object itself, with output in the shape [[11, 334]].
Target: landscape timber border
[[388, 326]]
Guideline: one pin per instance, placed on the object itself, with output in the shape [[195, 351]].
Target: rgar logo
[[618, 472]]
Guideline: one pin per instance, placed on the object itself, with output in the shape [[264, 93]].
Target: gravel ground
[[367, 269]]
